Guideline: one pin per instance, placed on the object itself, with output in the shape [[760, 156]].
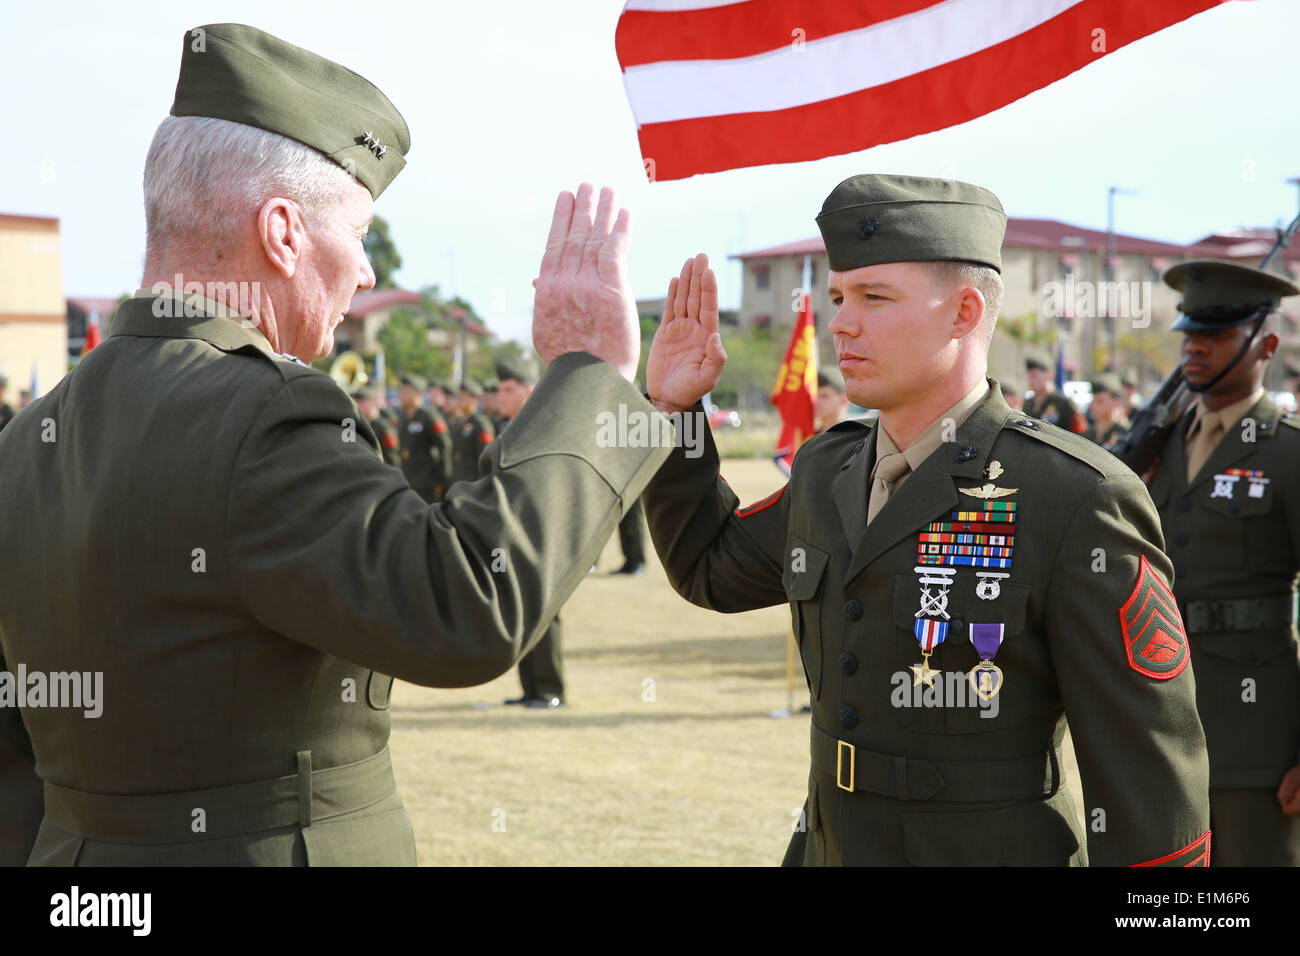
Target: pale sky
[[510, 101]]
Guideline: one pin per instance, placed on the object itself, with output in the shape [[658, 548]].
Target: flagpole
[[805, 283], [791, 647]]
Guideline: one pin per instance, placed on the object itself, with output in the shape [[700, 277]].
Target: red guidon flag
[[93, 338], [796, 387], [716, 85]]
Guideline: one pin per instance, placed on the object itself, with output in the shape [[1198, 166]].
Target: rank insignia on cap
[[1154, 638]]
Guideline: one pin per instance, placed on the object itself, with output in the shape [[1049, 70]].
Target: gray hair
[[985, 278], [202, 174]]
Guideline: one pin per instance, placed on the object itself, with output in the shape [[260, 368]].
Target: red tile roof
[[363, 303], [89, 304], [1052, 233]]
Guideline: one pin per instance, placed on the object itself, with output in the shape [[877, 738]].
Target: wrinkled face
[[893, 333], [511, 396], [332, 267], [1205, 354]]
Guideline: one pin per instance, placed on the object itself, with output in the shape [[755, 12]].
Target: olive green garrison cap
[[872, 219], [238, 73]]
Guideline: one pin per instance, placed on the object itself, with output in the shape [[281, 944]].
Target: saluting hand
[[584, 301], [686, 357]]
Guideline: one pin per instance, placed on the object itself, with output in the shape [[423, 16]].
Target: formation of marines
[[964, 576]]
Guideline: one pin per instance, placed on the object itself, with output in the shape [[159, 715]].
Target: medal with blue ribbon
[[986, 677], [929, 634]]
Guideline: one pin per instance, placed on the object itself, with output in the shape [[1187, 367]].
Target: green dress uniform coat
[[896, 782], [1107, 437], [426, 451], [469, 437], [541, 670], [1055, 409], [1233, 533], [196, 527], [389, 445]]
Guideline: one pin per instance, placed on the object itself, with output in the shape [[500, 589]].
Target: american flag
[[719, 85]]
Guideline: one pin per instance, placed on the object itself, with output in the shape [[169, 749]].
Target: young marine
[[955, 539]]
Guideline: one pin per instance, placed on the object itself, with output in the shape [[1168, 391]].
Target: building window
[[762, 277]]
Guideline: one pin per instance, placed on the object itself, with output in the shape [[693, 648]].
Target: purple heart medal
[[986, 677]]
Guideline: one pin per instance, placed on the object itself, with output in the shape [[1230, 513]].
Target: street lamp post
[[1109, 271]]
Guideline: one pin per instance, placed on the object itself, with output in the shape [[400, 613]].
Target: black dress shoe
[[629, 568], [517, 700], [543, 703]]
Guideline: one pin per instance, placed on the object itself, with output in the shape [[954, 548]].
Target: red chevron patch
[[1154, 638]]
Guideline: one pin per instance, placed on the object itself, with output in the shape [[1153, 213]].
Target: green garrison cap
[[1107, 382], [1038, 360], [238, 73], [418, 382], [518, 371], [870, 219], [473, 387], [369, 390], [1218, 294]]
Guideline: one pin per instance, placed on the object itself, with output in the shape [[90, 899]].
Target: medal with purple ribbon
[[986, 677], [929, 634]]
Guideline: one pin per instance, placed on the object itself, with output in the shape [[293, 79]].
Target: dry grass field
[[666, 753]]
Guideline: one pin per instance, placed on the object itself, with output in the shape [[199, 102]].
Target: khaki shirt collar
[[928, 442], [1229, 415]]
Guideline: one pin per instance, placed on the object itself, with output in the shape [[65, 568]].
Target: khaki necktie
[[1204, 437], [883, 479]]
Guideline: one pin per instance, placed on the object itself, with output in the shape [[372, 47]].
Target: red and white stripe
[[721, 85]]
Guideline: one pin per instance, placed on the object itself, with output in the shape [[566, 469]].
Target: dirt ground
[[666, 753]]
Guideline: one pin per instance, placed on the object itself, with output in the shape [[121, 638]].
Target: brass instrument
[[349, 371]]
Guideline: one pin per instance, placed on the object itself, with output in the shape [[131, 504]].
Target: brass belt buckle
[[839, 765]]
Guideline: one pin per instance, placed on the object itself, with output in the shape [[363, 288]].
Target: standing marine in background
[[1047, 404], [471, 433], [1227, 485], [425, 441], [1109, 411]]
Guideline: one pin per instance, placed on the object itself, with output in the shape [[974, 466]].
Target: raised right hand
[[584, 300], [686, 357]]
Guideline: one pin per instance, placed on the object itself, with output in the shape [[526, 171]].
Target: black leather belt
[[1245, 614], [903, 778]]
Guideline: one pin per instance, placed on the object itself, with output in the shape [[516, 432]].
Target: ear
[[282, 233], [1268, 346], [970, 312]]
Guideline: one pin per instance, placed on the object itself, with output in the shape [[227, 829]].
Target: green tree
[[383, 254]]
